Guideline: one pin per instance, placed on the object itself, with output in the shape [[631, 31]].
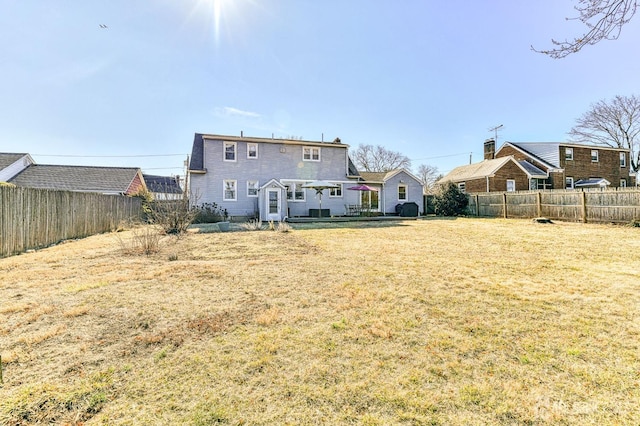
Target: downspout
[[384, 200], [487, 183]]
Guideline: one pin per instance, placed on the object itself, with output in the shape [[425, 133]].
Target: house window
[[402, 192], [252, 150], [462, 186], [623, 159], [568, 154], [295, 191], [230, 151], [623, 183], [594, 155], [568, 183], [511, 185], [252, 188], [310, 153], [336, 192], [229, 188]]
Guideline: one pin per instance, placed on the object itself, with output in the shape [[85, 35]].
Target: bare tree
[[615, 123], [429, 175], [604, 20], [371, 158]]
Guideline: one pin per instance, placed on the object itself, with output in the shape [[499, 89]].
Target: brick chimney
[[489, 149]]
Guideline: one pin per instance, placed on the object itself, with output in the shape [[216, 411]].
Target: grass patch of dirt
[[439, 322]]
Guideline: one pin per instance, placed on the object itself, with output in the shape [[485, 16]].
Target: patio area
[[348, 219]]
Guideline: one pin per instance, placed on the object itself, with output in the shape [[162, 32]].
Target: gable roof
[[196, 162], [382, 177], [488, 168], [162, 184], [7, 159], [476, 170], [106, 180], [547, 153]]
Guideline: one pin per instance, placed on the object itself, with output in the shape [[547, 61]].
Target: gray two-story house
[[266, 177]]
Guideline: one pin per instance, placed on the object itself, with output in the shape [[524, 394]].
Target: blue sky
[[423, 77]]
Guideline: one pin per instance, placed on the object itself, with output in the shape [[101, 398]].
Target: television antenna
[[495, 129]]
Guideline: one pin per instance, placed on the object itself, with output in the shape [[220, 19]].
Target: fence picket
[[620, 206], [34, 218]]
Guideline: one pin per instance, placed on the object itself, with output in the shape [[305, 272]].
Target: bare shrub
[[173, 217], [210, 213], [144, 240], [283, 227], [252, 225]]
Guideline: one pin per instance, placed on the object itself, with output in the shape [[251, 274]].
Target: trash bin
[[408, 210]]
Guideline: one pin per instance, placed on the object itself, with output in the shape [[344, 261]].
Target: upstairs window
[[230, 151], [568, 154], [229, 188], [336, 192], [402, 192], [594, 156], [310, 153], [252, 150], [623, 159]]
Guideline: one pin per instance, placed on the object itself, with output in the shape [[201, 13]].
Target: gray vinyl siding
[[390, 193], [280, 161]]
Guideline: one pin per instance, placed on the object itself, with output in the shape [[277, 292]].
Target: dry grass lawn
[[430, 322]]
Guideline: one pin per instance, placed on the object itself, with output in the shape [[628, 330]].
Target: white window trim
[[250, 144], [568, 154], [312, 149], [294, 186], [462, 186], [406, 192], [332, 191], [623, 183], [256, 187], [596, 158], [514, 185], [235, 151], [235, 190], [623, 160], [571, 186]]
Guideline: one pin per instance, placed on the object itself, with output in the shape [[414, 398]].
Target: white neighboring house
[[164, 188]]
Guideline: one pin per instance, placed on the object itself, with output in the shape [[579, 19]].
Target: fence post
[[584, 207], [477, 205], [504, 205], [539, 203]]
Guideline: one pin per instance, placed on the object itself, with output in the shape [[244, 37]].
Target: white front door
[[273, 206]]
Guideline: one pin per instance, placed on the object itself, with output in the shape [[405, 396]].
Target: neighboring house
[[499, 174], [517, 166], [104, 180], [12, 164], [265, 177], [164, 187]]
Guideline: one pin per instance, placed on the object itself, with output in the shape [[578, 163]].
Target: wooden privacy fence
[[34, 218], [621, 206]]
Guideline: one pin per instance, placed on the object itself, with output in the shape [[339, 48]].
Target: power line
[[110, 156], [440, 156]]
